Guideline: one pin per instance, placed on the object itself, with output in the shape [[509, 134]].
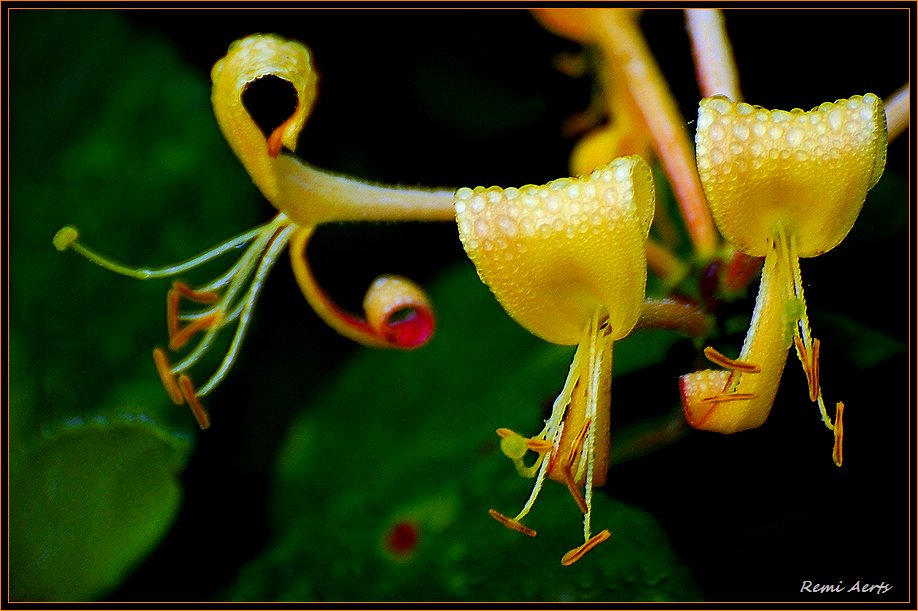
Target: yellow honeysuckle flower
[[397, 313], [624, 132], [782, 185], [566, 260]]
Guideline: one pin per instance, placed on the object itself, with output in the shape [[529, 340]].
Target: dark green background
[[319, 446]]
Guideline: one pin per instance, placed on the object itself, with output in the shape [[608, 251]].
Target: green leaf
[[111, 132], [403, 444], [86, 504]]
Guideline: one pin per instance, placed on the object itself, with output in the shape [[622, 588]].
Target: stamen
[[514, 445], [511, 523], [810, 361], [163, 368], [577, 553], [727, 363], [182, 336], [67, 238], [576, 447], [572, 488], [191, 397], [173, 322], [737, 396], [839, 431], [539, 445], [203, 297], [278, 242]]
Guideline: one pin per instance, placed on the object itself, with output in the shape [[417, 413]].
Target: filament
[[278, 242], [169, 270]]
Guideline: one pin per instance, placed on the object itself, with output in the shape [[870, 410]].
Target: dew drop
[[741, 131], [507, 225], [705, 119], [716, 133]]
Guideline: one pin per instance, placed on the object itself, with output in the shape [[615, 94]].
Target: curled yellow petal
[[554, 253], [803, 173], [305, 194], [246, 61], [740, 398], [397, 311]]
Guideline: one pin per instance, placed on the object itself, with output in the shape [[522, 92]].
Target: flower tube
[[566, 260], [781, 185]]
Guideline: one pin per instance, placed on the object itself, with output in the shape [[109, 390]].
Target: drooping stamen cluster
[[566, 260], [228, 300]]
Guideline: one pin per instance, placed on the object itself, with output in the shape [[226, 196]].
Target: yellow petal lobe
[[554, 253], [806, 173]]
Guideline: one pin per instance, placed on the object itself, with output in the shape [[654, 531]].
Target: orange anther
[[573, 489], [566, 468], [539, 445], [737, 396], [810, 362], [172, 312], [577, 553], [181, 336], [727, 363], [204, 297], [164, 369], [536, 445], [177, 335], [816, 371], [839, 434], [511, 523], [191, 396]]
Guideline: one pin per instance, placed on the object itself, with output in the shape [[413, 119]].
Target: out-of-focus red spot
[[402, 538]]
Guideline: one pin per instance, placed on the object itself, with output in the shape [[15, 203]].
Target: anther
[[839, 430], [203, 297], [164, 369], [191, 397], [727, 363], [172, 313], [574, 490], [577, 553], [511, 523], [178, 337], [566, 469], [536, 445], [182, 336], [810, 361], [737, 396]]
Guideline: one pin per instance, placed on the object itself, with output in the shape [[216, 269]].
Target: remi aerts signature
[[858, 586]]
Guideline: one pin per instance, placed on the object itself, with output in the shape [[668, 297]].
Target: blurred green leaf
[[112, 132], [87, 503], [404, 443]]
